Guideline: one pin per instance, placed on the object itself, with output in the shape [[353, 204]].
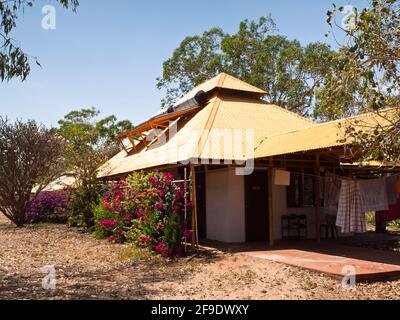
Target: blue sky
[[108, 54]]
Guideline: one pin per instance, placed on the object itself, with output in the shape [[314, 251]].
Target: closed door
[[256, 206]]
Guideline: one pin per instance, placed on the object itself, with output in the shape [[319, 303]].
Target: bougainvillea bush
[[49, 206], [146, 209]]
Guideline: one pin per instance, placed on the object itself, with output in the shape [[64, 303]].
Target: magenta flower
[[165, 251], [187, 233], [159, 247], [178, 195], [169, 176], [108, 224], [144, 239], [153, 180], [139, 214], [159, 206], [161, 193]]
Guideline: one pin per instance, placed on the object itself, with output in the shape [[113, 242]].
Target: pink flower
[[176, 207], [128, 218], [144, 239], [139, 214], [169, 176], [108, 224], [153, 180], [187, 233], [159, 247], [159, 206], [178, 195], [161, 193], [166, 251]]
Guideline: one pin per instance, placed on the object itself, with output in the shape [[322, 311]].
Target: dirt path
[[91, 269]]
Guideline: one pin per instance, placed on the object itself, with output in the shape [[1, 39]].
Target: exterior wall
[[280, 208], [225, 206], [226, 212]]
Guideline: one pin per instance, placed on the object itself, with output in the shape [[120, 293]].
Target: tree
[[89, 143], [30, 156], [287, 71], [367, 76], [14, 62]]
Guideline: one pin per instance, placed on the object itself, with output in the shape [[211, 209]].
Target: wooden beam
[[317, 198], [270, 203], [194, 206]]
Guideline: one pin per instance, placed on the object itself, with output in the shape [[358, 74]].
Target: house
[[252, 162]]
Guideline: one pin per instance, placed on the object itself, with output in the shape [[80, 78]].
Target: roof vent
[[200, 99]]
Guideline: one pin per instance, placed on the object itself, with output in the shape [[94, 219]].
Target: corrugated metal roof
[[200, 137], [320, 136], [223, 81]]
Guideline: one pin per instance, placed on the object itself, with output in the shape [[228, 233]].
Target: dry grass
[[90, 269]]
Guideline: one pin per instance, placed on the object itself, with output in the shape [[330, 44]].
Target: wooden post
[[194, 206], [317, 198], [270, 203]]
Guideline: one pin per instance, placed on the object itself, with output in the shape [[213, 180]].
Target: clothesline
[[341, 177]]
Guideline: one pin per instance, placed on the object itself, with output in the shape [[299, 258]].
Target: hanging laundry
[[331, 190], [392, 194], [350, 217], [373, 195], [389, 215]]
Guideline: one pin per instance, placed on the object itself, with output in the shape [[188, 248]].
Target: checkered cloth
[[350, 217]]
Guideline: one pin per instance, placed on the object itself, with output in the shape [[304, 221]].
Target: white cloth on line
[[350, 217], [373, 195]]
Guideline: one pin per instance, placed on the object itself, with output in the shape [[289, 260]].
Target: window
[[300, 193]]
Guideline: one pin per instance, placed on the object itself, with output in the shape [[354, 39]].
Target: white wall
[[225, 210]]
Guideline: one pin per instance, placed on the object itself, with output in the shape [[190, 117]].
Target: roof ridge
[[290, 112], [361, 115], [207, 126], [243, 82]]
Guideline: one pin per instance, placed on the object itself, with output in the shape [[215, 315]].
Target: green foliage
[[138, 181], [147, 211], [366, 77], [370, 218], [14, 62], [30, 156], [89, 143], [83, 199], [287, 71]]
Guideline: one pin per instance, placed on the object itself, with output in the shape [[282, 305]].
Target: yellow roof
[[222, 81], [200, 137], [320, 136]]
